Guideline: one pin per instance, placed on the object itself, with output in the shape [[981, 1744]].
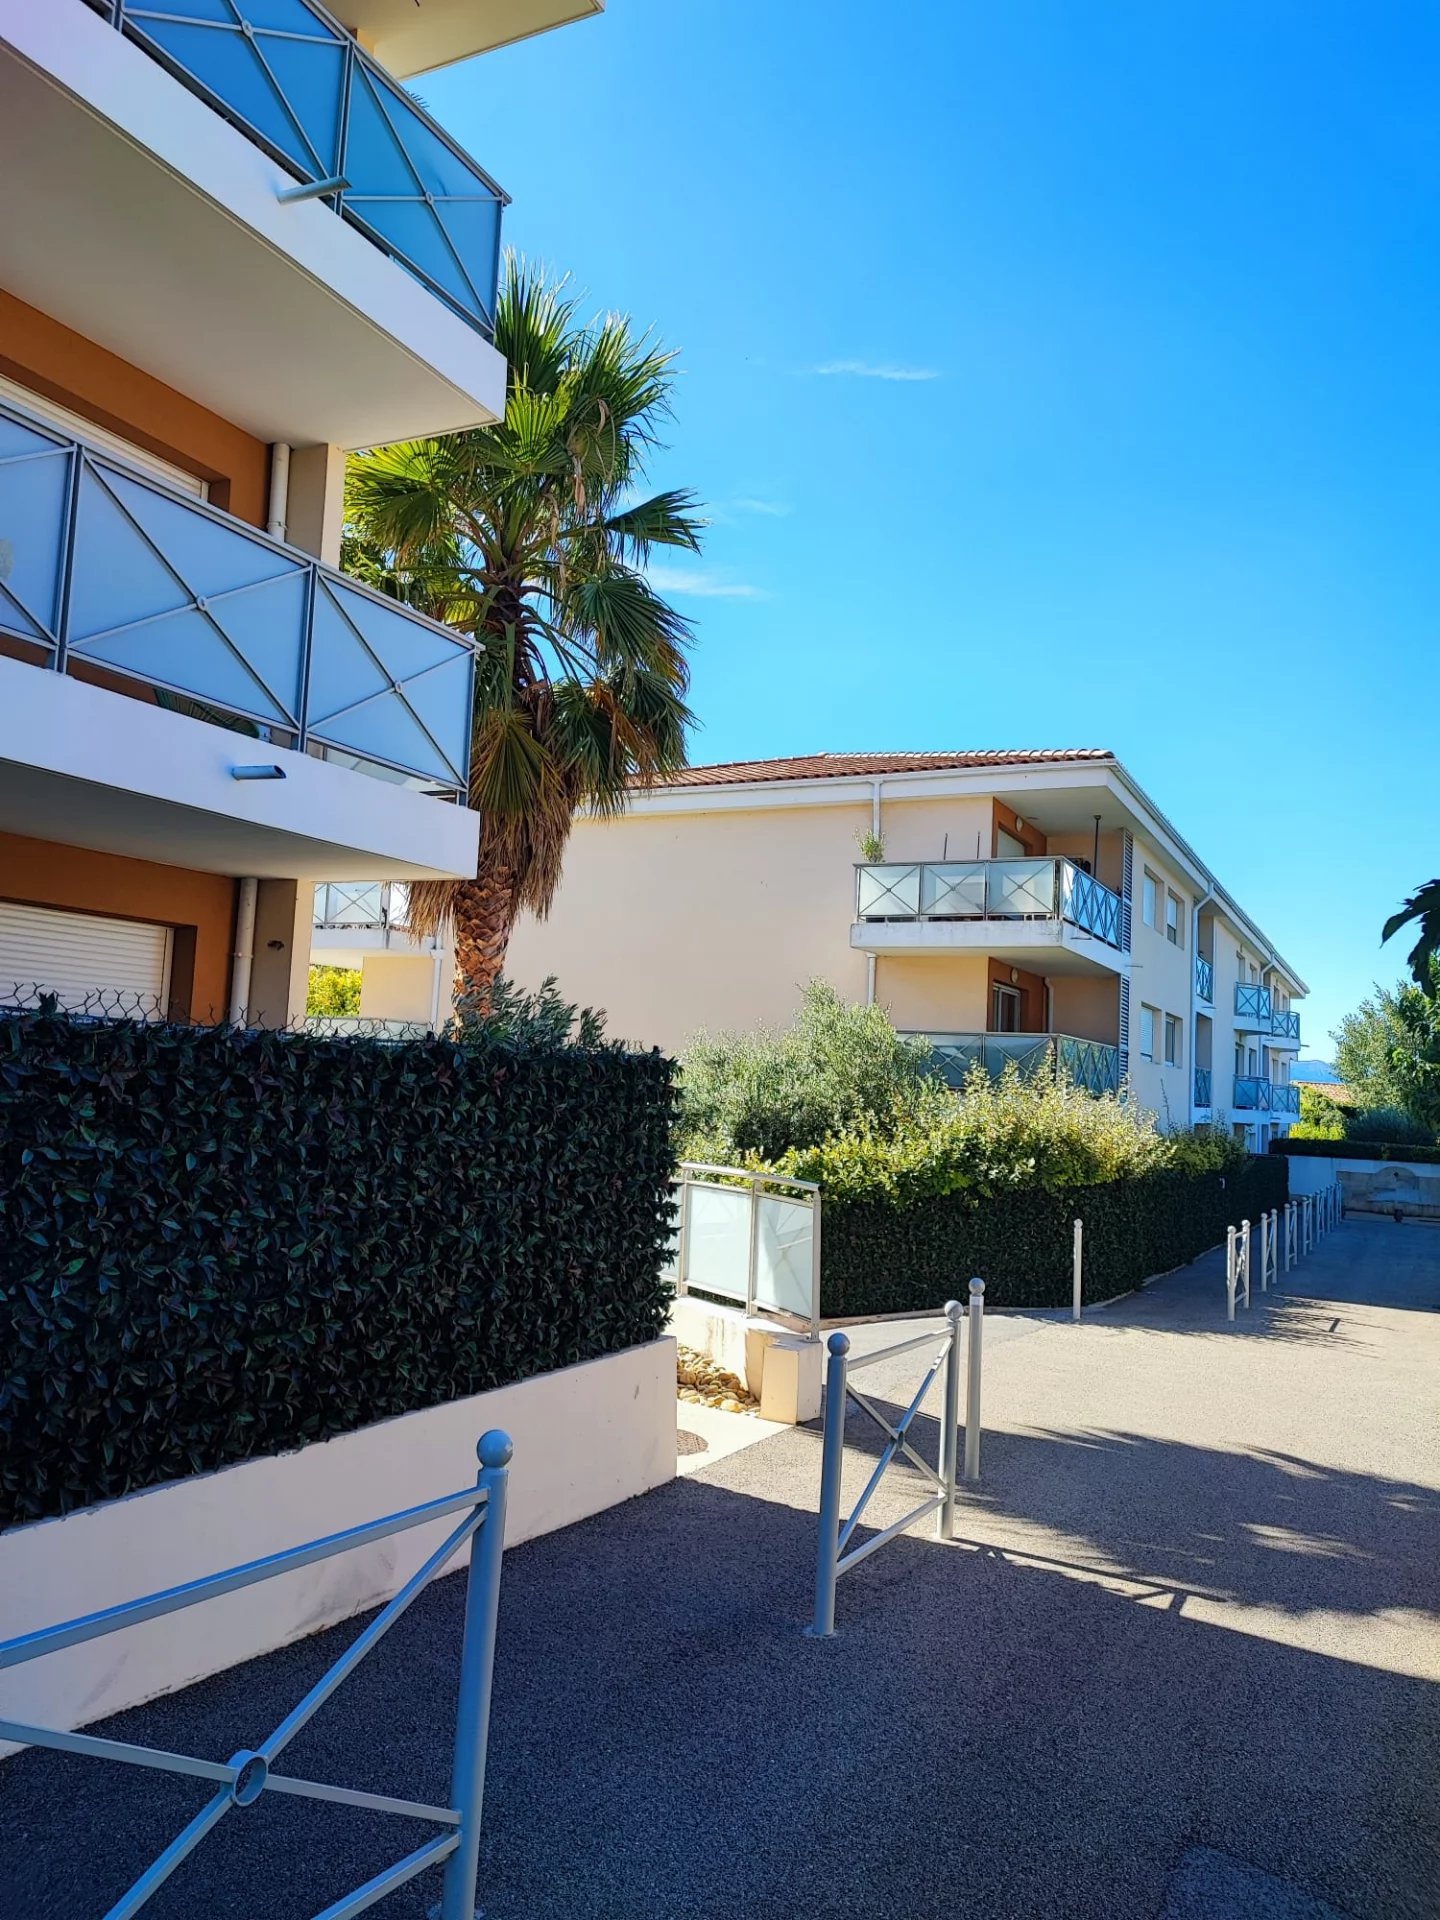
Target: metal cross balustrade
[[835, 1553], [290, 77], [105, 570], [242, 1779]]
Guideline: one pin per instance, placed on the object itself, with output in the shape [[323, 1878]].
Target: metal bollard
[[950, 1419], [972, 1382], [1231, 1272], [1245, 1258], [1264, 1252], [832, 1461], [477, 1668], [1079, 1269]]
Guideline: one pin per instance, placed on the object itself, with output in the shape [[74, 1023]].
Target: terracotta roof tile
[[820, 766]]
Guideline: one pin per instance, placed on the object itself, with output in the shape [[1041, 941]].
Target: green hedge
[[217, 1244], [879, 1258], [1356, 1150]]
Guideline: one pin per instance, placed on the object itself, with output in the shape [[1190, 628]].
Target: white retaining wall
[[1371, 1186], [586, 1438]]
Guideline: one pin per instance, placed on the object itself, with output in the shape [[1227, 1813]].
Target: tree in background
[[333, 992], [529, 536], [1364, 1042], [1388, 1054], [1422, 907]]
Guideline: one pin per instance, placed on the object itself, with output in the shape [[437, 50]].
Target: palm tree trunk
[[484, 910]]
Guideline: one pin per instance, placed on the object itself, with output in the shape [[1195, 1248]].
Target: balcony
[[1258, 1095], [1203, 1087], [163, 165], [363, 906], [1085, 1063], [1204, 980], [108, 575], [1255, 1012], [296, 83], [1004, 906]]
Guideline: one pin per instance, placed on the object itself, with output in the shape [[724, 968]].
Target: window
[[1148, 1017], [106, 442], [1004, 1009], [1173, 1040], [1150, 899], [1174, 926]]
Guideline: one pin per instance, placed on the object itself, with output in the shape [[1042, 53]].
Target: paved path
[[1182, 1664]]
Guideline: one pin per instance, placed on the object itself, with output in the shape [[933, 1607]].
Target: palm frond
[[1422, 906]]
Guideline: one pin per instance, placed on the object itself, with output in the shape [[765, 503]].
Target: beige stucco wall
[[397, 986], [672, 923], [1162, 977], [937, 829], [935, 993]]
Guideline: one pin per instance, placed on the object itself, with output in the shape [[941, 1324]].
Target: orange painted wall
[[200, 906], [1006, 820], [71, 370]]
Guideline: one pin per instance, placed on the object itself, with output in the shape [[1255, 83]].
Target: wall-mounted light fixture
[[257, 773]]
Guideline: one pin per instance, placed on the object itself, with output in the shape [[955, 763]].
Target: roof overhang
[[1058, 797], [415, 36], [138, 217]]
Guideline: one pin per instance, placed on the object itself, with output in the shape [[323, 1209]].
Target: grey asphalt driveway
[[1182, 1664]]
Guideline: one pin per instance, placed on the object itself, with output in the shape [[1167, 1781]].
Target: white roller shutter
[[104, 966]]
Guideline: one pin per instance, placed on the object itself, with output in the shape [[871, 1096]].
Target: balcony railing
[[295, 82], [106, 572], [1085, 1063], [1043, 889], [1204, 979], [1265, 1096], [1255, 1007], [366, 905], [1203, 1087]]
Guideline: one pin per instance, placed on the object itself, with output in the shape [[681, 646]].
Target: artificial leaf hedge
[[882, 1258], [217, 1244]]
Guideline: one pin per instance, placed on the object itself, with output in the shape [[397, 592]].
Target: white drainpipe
[[244, 951], [278, 507], [875, 786], [438, 952]]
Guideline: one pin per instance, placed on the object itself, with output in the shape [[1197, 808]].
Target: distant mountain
[[1318, 1071]]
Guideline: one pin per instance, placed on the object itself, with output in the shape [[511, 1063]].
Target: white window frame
[[76, 427], [1148, 1017], [1150, 890], [1174, 1033], [1175, 933]]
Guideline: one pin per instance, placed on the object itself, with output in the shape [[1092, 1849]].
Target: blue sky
[[1055, 374]]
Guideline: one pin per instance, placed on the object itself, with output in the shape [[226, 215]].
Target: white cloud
[[867, 370], [700, 586], [772, 509]]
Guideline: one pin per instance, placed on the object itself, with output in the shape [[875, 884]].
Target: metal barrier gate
[[247, 1775], [835, 1555]]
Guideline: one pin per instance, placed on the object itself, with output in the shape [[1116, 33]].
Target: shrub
[[761, 1094], [884, 1257], [216, 1244], [333, 992], [995, 1137]]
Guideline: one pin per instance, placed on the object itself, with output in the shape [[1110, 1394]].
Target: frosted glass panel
[[32, 538], [953, 892], [784, 1256], [1020, 887], [719, 1235]]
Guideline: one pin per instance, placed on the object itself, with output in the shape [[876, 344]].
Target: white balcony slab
[[92, 768], [1064, 949], [136, 215]]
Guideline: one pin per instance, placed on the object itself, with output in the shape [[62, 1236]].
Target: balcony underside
[[1047, 946], [410, 39], [137, 216], [89, 768]]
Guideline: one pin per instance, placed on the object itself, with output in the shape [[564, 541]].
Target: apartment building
[[233, 247], [1028, 906]]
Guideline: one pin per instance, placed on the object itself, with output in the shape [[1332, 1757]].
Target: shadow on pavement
[[980, 1739]]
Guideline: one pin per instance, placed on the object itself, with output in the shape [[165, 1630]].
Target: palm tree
[[529, 536], [1422, 906]]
